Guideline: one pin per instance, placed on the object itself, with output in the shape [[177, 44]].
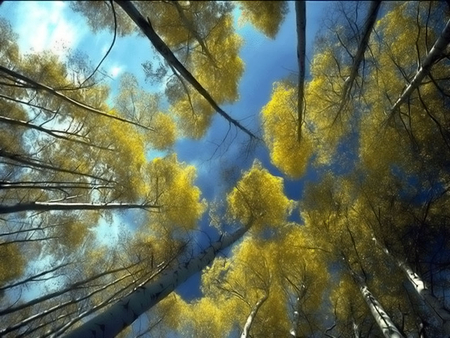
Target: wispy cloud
[[46, 26]]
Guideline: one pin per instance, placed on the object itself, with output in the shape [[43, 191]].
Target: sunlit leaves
[[280, 126], [219, 76], [258, 199], [142, 107], [418, 126], [266, 16], [172, 188], [164, 131]]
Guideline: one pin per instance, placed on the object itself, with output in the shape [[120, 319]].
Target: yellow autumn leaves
[[279, 120], [258, 199], [173, 189]]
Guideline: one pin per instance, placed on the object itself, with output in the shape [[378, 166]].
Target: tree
[[103, 216]]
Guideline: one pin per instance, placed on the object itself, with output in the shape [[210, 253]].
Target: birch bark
[[127, 310], [252, 315]]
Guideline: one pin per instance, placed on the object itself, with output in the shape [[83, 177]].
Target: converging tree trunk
[[126, 311], [49, 206], [164, 50], [252, 315], [362, 47], [382, 319], [300, 12], [40, 86], [433, 55], [438, 310]]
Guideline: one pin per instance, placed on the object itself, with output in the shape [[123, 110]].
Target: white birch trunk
[[355, 328], [438, 310], [49, 206], [126, 311], [295, 319], [381, 317], [251, 317], [435, 52], [41, 86], [440, 313]]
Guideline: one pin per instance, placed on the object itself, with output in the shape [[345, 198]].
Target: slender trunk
[[382, 319], [380, 316], [433, 55], [368, 26], [34, 278], [164, 50], [56, 185], [32, 163], [192, 30], [355, 328], [28, 321], [18, 185], [72, 287], [296, 318], [35, 229], [441, 314], [53, 133], [127, 310], [300, 12], [252, 315], [50, 206], [58, 331], [39, 86], [438, 310], [29, 240]]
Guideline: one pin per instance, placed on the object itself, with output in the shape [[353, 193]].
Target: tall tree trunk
[[61, 134], [49, 206], [441, 314], [368, 26], [27, 322], [355, 328], [296, 318], [192, 30], [35, 163], [147, 29], [126, 311], [74, 286], [381, 317], [438, 310], [39, 86], [300, 13], [433, 55], [252, 315]]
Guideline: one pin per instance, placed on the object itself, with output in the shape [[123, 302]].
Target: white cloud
[[46, 26]]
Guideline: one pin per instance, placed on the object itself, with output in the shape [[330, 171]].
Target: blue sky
[[52, 25]]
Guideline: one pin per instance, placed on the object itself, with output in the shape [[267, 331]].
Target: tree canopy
[[156, 202]]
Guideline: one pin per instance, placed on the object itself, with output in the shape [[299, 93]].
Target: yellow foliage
[[165, 131], [266, 16], [173, 189], [193, 114], [258, 199], [219, 77], [129, 149], [280, 132]]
